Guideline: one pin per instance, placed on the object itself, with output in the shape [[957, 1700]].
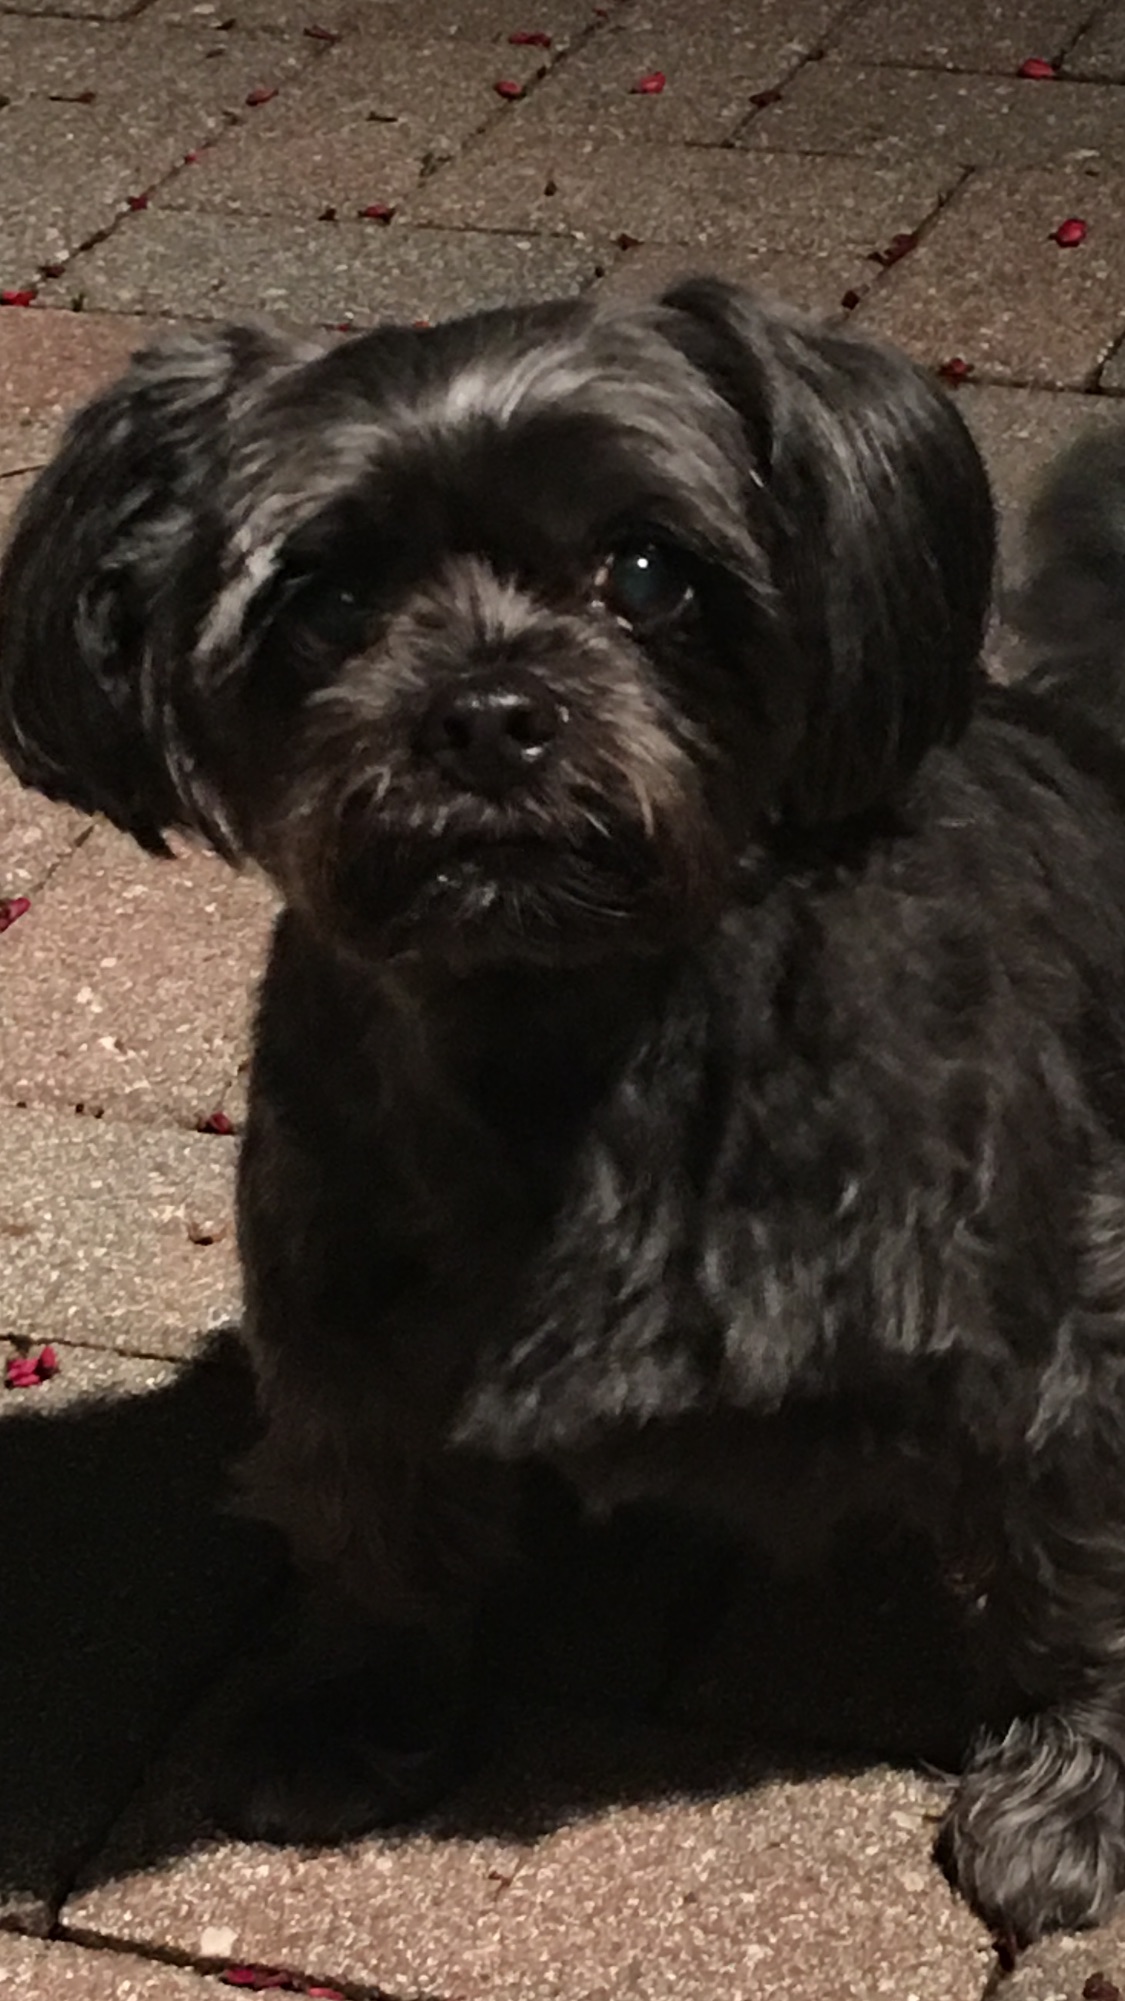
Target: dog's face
[[507, 639]]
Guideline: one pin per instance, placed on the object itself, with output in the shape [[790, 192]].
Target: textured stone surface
[[116, 1239], [128, 985], [460, 20], [714, 61], [1067, 1969], [593, 1861], [141, 66], [216, 266], [49, 363], [989, 283], [1112, 377], [125, 1584], [965, 34], [35, 835], [33, 1970], [12, 487], [1100, 52], [712, 201], [359, 126], [973, 120], [816, 284], [68, 169]]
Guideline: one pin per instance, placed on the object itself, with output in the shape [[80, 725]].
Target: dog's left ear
[[881, 531], [112, 557]]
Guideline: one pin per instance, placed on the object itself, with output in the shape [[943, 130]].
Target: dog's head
[[509, 638]]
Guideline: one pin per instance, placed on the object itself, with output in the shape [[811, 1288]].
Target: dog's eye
[[332, 613], [643, 585]]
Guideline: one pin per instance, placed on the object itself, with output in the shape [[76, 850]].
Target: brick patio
[[713, 1797]]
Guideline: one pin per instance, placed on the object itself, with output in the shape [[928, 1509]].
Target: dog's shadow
[[638, 1659]]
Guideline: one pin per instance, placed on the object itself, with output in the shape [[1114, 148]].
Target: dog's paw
[[1035, 1836], [335, 1760]]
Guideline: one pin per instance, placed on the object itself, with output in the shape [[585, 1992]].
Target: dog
[[692, 1052]]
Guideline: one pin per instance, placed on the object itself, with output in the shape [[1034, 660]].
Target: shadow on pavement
[[639, 1658], [123, 1587]]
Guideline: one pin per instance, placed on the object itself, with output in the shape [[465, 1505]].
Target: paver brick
[[594, 1860], [138, 65], [714, 62], [461, 20], [128, 985], [35, 834], [69, 169], [1112, 377], [38, 1970], [711, 200], [1100, 51], [990, 35], [990, 284], [1074, 1967], [972, 120], [13, 486], [814, 284], [49, 363], [218, 266], [360, 126], [117, 1239]]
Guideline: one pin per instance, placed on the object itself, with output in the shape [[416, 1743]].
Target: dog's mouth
[[506, 894]]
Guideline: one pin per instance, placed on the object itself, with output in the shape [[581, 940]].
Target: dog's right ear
[[110, 564]]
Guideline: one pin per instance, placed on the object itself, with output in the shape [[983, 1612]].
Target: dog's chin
[[523, 900]]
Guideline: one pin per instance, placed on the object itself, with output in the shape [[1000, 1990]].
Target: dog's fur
[[711, 1082]]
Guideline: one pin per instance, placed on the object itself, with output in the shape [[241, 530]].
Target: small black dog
[[693, 1051]]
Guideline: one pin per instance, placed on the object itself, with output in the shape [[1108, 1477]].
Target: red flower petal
[[324, 1994], [261, 1979], [508, 88], [20, 1373], [377, 211], [420, 326], [261, 94], [21, 298], [190, 159], [319, 34], [530, 38], [136, 201], [46, 1364], [12, 907], [215, 1122], [1037, 66], [956, 369], [850, 301], [1070, 233], [649, 86], [899, 246]]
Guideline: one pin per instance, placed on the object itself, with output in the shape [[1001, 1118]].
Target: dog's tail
[[1071, 611]]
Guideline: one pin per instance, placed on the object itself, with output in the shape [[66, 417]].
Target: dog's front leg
[[1035, 1834], [398, 1533], [373, 1708]]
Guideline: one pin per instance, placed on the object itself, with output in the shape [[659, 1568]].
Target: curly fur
[[733, 1110]]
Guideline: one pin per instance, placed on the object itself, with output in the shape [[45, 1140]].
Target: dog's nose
[[491, 739]]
